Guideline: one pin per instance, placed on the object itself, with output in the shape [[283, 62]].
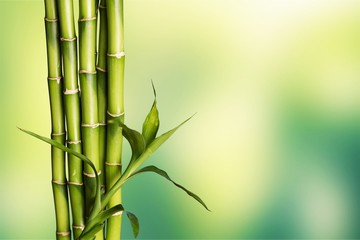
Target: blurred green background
[[274, 149]]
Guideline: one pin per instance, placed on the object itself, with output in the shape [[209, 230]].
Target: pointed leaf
[[97, 204], [100, 218], [155, 144], [165, 175], [134, 223], [135, 163], [90, 235], [151, 123]]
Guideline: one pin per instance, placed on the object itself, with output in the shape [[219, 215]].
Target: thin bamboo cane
[[116, 61], [89, 102], [102, 87], [57, 121], [72, 107]]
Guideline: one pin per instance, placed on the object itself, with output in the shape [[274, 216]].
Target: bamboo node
[[63, 233], [74, 142], [113, 164], [101, 69], [58, 134], [117, 55], [57, 79], [91, 125], [91, 175], [71, 91], [102, 124], [68, 39], [75, 183], [58, 182], [81, 227], [117, 214], [87, 72], [51, 20], [87, 19], [115, 115], [102, 7]]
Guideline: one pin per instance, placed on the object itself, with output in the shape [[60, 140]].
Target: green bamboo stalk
[[89, 102], [72, 108], [116, 62], [102, 87], [55, 86]]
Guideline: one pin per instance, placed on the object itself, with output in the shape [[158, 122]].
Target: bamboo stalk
[[102, 87], [116, 61], [72, 108], [57, 121], [89, 102]]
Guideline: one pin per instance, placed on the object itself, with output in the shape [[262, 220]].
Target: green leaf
[[90, 235], [151, 123], [99, 220], [165, 175], [136, 162], [155, 144], [97, 204], [135, 139], [134, 223]]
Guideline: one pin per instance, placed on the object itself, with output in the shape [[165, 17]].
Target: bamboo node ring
[[58, 182], [113, 164], [91, 125], [75, 183], [58, 134], [102, 7], [71, 91], [51, 20], [102, 124], [87, 19], [87, 72], [81, 227], [63, 233], [101, 69], [117, 55], [57, 79], [74, 142], [68, 39], [115, 115], [91, 175]]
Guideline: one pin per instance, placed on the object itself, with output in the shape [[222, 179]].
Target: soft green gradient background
[[274, 149]]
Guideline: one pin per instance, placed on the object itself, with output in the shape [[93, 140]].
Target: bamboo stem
[[102, 87], [72, 108], [89, 102], [57, 121], [116, 61]]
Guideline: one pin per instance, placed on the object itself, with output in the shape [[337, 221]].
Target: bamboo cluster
[[85, 81]]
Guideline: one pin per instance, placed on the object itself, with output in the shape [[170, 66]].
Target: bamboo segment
[[89, 102], [72, 108], [116, 61], [57, 121], [102, 87]]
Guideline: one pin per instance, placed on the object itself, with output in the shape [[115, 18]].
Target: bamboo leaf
[[151, 123], [90, 235], [166, 176], [99, 220], [97, 204], [134, 223], [135, 139], [136, 162], [156, 143]]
